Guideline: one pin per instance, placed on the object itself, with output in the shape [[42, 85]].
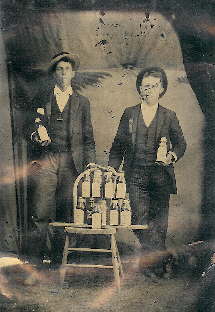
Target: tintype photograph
[[107, 139]]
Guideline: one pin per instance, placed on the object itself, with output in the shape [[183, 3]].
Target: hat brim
[[47, 67], [73, 57]]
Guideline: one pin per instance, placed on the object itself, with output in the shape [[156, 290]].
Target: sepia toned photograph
[[107, 139]]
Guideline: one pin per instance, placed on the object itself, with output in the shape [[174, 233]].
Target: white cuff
[[32, 134]]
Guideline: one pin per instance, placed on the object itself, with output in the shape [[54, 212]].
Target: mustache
[[144, 96]]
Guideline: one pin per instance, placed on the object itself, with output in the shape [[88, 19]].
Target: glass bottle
[[103, 208], [96, 183], [85, 186], [162, 150], [42, 132], [121, 185], [125, 213], [109, 186], [114, 213], [96, 217], [79, 211]]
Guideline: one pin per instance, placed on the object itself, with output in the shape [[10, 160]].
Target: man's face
[[63, 74], [150, 89]]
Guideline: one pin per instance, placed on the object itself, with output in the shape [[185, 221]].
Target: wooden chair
[[116, 262], [73, 229], [85, 229]]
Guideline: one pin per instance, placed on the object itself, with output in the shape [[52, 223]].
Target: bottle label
[[114, 217], [85, 189], [79, 216], [125, 217], [120, 190], [109, 190], [96, 191], [96, 220]]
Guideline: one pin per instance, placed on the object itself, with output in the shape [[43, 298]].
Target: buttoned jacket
[[124, 145], [81, 139]]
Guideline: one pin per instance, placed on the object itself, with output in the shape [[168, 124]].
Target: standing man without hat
[[142, 129], [62, 153]]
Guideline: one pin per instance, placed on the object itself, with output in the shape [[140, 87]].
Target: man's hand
[[35, 138], [45, 143], [168, 159]]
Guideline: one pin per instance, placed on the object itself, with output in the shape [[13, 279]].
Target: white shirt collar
[[58, 91], [148, 107]]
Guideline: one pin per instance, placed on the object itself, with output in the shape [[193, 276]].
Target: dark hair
[[155, 72], [63, 59]]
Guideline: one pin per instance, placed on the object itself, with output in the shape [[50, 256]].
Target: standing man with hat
[[61, 135], [150, 140]]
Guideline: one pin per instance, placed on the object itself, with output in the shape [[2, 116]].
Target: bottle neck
[[87, 178]]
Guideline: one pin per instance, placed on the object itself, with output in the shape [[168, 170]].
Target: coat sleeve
[[117, 151], [88, 137], [176, 137]]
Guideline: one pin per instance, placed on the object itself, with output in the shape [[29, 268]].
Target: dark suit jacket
[[125, 139], [80, 128]]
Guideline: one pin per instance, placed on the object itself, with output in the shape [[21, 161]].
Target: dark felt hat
[[65, 55]]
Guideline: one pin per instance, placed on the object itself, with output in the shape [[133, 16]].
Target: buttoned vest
[[59, 127], [146, 145]]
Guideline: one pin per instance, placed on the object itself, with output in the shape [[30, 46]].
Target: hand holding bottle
[[40, 135], [169, 159]]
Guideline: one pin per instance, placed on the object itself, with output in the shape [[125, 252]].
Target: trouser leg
[[140, 203], [158, 220], [158, 224], [67, 174], [149, 188], [139, 196], [44, 184], [159, 189]]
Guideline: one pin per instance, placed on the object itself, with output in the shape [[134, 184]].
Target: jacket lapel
[[48, 106], [74, 107], [160, 120], [134, 119]]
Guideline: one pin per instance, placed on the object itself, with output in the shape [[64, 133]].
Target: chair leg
[[115, 262], [64, 260]]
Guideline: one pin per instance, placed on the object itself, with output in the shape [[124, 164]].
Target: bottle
[[79, 211], [121, 185], [42, 132], [114, 213], [162, 150], [103, 209], [85, 187], [109, 186], [96, 184], [90, 211], [96, 217], [125, 213]]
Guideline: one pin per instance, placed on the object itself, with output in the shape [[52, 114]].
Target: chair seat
[[85, 231]]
